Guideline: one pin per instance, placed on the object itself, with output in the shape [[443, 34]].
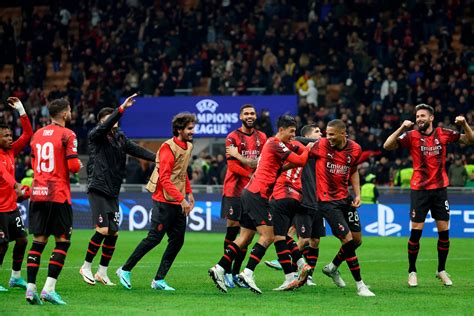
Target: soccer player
[[54, 153], [108, 149], [336, 166], [310, 228], [285, 204], [256, 214], [428, 184], [170, 207], [248, 143], [11, 222]]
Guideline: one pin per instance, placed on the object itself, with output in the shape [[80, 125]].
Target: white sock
[[248, 272], [331, 266], [50, 285], [31, 287], [16, 274], [102, 270], [87, 265], [300, 262], [360, 284], [289, 276]]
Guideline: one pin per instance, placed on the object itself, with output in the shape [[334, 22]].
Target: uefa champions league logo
[[207, 105]]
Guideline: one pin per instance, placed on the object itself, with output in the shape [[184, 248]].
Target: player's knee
[[278, 238], [314, 242], [102, 230], [21, 241]]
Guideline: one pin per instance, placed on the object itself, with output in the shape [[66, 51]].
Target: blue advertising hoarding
[[217, 116], [385, 219]]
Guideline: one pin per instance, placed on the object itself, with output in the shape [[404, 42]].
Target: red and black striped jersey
[[429, 157], [274, 155], [334, 168], [51, 147], [288, 184], [250, 146]]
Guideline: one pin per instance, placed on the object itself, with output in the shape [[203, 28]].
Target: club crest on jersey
[[231, 211], [269, 216], [413, 213], [101, 220], [303, 229], [160, 227], [2, 235], [436, 141], [340, 227], [348, 159]]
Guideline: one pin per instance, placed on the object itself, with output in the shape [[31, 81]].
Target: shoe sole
[[32, 301], [86, 279], [272, 266], [214, 279], [256, 291], [101, 280], [303, 277]]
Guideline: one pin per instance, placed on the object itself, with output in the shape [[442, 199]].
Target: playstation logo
[[384, 226]]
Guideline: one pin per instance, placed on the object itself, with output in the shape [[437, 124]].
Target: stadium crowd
[[366, 62]]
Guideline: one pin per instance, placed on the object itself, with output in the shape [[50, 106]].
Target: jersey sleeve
[[315, 150], [449, 135], [71, 145], [355, 162], [231, 141], [404, 140]]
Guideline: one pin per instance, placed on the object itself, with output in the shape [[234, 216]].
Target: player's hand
[[186, 207], [232, 151], [18, 190], [310, 145], [460, 120], [356, 202], [16, 104], [407, 124], [191, 200], [128, 101]]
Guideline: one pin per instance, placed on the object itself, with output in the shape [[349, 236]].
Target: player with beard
[[256, 213], [247, 143], [170, 207], [108, 148], [427, 146], [54, 153]]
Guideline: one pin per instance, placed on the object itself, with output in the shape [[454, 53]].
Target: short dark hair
[[4, 126], [426, 107], [181, 120], [339, 124], [245, 106], [57, 106], [286, 121], [308, 129], [104, 112]]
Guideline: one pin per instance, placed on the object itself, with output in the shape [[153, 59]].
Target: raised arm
[[468, 137], [105, 127], [391, 142], [25, 137]]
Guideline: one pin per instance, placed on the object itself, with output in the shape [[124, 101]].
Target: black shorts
[[168, 218], [11, 226], [105, 211], [231, 208], [341, 216], [50, 218], [255, 211], [423, 201], [316, 223], [288, 211]]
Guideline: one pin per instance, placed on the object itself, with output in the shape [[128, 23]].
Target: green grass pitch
[[383, 263]]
